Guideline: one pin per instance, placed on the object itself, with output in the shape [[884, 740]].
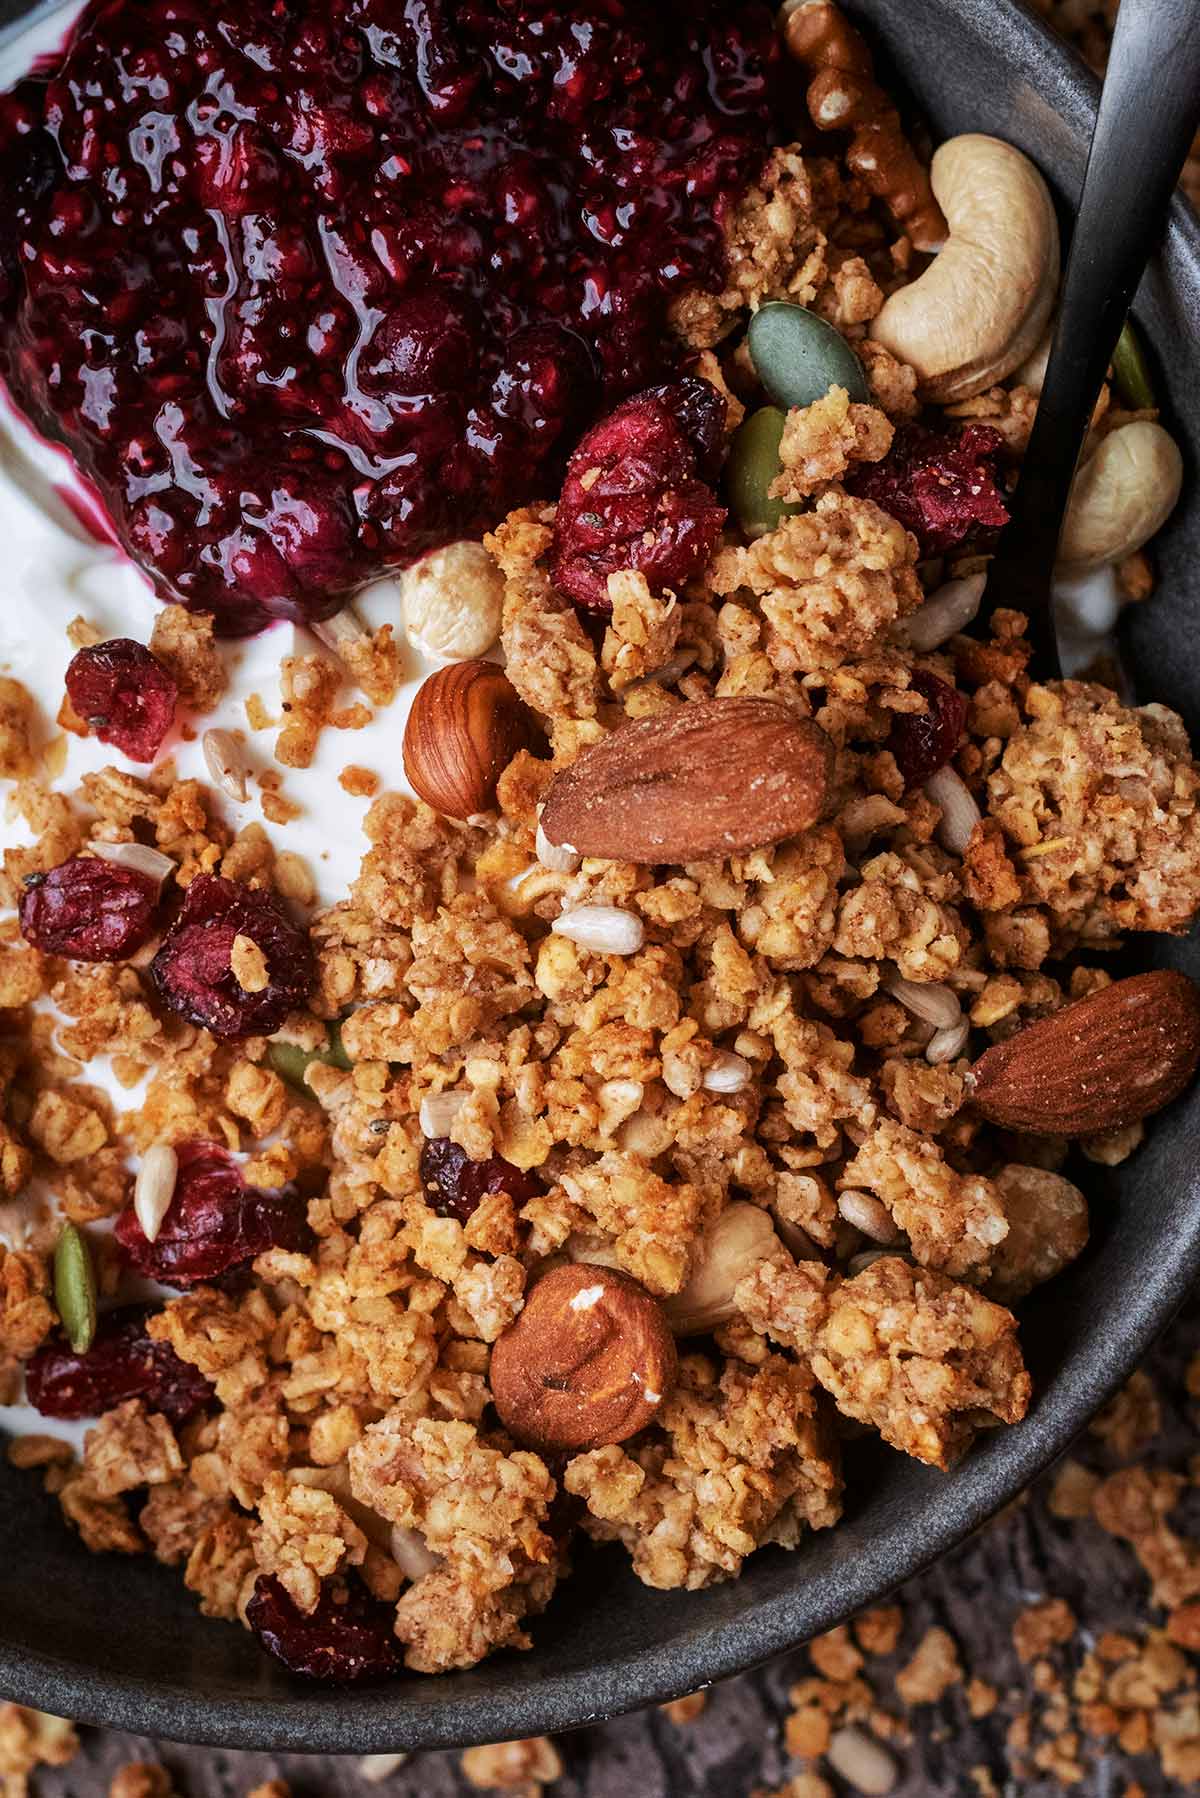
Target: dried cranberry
[[346, 1639], [509, 195], [923, 742], [193, 971], [455, 1184], [633, 496], [89, 910], [942, 486], [122, 1363], [125, 695], [215, 1222]]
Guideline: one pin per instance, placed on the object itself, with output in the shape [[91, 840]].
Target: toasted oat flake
[[249, 965]]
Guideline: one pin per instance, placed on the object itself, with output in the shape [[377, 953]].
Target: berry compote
[[310, 286]]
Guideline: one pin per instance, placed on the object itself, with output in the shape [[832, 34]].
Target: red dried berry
[[214, 1223], [348, 1638], [125, 695], [122, 1363], [193, 970], [454, 1184], [633, 496], [89, 910], [942, 486], [923, 742]]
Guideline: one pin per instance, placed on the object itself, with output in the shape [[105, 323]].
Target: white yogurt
[[55, 570]]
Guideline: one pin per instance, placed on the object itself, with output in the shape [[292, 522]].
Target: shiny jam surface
[[309, 286]]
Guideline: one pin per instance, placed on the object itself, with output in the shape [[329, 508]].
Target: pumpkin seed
[[289, 1060], [798, 356], [1130, 371], [75, 1287], [753, 465]]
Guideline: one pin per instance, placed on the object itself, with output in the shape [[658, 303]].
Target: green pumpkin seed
[[289, 1060], [798, 357], [1130, 371], [75, 1287], [753, 464]]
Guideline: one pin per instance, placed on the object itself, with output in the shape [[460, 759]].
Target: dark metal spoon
[[1149, 111]]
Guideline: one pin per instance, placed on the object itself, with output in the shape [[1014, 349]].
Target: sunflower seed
[[604, 929], [932, 1003], [868, 1215], [136, 856], [224, 761], [947, 1045], [375, 1768], [438, 1112], [960, 814], [949, 610], [863, 1761], [154, 1188]]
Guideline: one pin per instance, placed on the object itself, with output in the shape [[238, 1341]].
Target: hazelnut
[[465, 726], [589, 1361], [742, 1238], [452, 601]]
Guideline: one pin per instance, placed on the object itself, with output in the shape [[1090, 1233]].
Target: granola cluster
[[792, 1033]]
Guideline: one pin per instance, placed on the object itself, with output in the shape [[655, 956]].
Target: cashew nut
[[1124, 492], [742, 1238], [981, 306]]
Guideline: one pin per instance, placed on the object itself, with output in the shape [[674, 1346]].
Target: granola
[[470, 1097]]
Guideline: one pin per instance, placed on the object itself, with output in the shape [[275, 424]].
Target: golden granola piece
[[822, 442], [747, 1459], [1099, 804], [16, 729], [830, 581], [26, 1314], [304, 1537], [129, 1447], [654, 1225], [183, 642], [920, 1358], [547, 656], [774, 247], [954, 1222], [479, 1508]]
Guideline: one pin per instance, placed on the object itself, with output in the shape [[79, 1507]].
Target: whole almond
[[466, 724], [589, 1361], [1097, 1065], [715, 777]]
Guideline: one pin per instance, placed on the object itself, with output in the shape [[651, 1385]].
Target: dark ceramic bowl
[[120, 1642]]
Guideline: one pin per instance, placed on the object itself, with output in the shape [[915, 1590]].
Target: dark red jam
[[310, 288]]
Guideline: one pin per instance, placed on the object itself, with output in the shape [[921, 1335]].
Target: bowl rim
[[350, 1720]]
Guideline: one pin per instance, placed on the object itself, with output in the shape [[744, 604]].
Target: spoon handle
[[1149, 110]]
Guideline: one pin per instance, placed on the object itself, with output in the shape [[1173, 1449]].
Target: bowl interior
[[120, 1641]]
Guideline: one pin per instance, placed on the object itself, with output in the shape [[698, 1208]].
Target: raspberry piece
[[89, 910], [454, 1184], [122, 1363], [510, 195], [215, 1222], [923, 742], [346, 1639], [634, 496], [193, 971], [941, 485], [125, 695]]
